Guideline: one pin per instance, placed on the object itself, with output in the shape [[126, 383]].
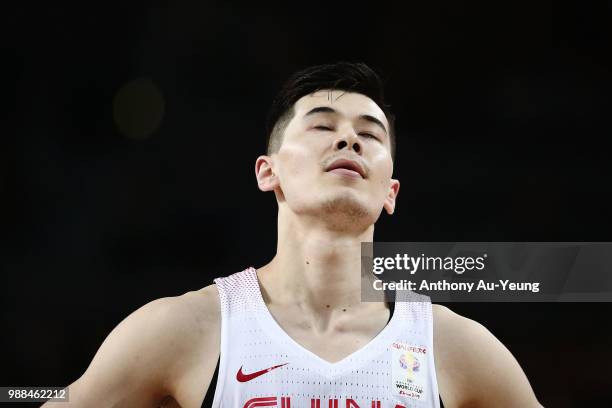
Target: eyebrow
[[327, 109]]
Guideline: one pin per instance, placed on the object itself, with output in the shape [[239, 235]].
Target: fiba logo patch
[[409, 362], [409, 371]]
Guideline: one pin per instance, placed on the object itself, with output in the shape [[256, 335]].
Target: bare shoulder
[[154, 353], [473, 367], [187, 321], [204, 304]]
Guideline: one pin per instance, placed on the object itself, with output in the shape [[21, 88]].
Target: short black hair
[[344, 76]]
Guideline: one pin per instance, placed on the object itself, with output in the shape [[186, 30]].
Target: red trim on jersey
[[260, 402]]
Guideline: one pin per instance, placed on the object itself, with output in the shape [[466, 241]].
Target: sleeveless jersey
[[262, 366]]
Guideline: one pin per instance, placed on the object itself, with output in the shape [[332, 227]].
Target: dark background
[[127, 172]]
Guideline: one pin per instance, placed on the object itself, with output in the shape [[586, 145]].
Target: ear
[[267, 180], [391, 196]]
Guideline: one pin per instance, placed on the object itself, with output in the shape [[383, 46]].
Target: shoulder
[[446, 321], [458, 338], [192, 324], [183, 322], [202, 304], [474, 368], [152, 352], [183, 318]]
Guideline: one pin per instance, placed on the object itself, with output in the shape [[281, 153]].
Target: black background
[[503, 120]]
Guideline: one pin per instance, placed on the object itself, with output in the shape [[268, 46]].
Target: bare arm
[[476, 369], [162, 350]]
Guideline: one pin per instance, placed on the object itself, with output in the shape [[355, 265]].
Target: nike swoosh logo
[[242, 377]]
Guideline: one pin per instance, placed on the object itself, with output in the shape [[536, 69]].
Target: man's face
[[335, 158]]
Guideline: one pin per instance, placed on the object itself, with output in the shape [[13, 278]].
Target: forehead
[[349, 104]]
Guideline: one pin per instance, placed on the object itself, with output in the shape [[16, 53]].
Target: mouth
[[347, 168]]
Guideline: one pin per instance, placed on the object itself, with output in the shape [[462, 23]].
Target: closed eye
[[365, 134], [368, 135]]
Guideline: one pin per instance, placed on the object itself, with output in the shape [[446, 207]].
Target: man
[[295, 331]]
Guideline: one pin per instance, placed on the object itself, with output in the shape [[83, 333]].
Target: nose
[[348, 141]]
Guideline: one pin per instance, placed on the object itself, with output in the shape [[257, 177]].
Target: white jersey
[[261, 366]]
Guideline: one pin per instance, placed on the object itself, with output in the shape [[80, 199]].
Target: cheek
[[382, 186], [382, 179], [294, 161]]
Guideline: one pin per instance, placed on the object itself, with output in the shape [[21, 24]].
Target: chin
[[347, 209]]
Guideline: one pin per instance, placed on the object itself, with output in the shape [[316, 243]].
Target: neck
[[316, 266]]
